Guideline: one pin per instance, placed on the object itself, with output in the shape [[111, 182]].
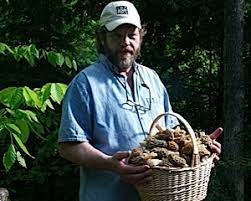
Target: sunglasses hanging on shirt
[[131, 104]]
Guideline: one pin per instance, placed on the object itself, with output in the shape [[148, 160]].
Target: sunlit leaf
[[21, 160], [31, 116], [21, 145], [57, 92], [47, 103], [74, 65], [13, 128], [60, 59], [68, 62], [31, 97], [46, 92], [11, 97]]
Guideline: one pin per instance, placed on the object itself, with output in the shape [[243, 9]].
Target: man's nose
[[125, 41]]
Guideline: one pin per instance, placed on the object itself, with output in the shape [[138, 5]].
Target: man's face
[[122, 46]]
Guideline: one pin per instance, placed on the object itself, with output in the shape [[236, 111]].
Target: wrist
[[110, 164]]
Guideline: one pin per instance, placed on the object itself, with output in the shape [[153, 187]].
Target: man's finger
[[128, 169], [216, 133], [121, 155], [216, 149], [217, 144], [217, 158], [138, 178]]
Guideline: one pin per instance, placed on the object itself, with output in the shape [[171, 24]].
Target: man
[[109, 107]]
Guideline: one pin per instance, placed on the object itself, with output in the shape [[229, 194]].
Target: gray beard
[[124, 64], [119, 63]]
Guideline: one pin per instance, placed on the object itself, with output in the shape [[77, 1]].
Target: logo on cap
[[121, 10]]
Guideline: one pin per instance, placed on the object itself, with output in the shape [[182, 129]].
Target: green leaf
[[9, 157], [3, 121], [34, 51], [52, 58], [29, 53], [24, 128], [45, 95], [11, 97], [74, 65], [70, 4], [68, 62], [19, 52], [13, 128], [26, 115], [21, 160], [57, 92], [60, 59], [47, 103], [2, 47], [31, 116], [74, 2], [55, 58], [29, 57], [21, 145], [31, 97], [46, 92]]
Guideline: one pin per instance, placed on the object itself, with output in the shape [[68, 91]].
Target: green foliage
[[31, 54], [44, 43], [19, 118]]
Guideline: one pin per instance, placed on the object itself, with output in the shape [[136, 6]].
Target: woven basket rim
[[177, 169]]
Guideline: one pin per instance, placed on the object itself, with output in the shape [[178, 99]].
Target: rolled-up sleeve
[[76, 117]]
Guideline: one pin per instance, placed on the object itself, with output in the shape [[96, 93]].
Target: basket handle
[[195, 157]]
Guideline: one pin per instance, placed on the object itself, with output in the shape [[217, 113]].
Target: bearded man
[[109, 107]]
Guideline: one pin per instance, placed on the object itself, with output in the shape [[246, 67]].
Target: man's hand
[[129, 173], [216, 147]]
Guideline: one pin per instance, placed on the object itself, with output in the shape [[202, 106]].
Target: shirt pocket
[[157, 104]]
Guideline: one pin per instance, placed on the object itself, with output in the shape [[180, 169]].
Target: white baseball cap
[[119, 12]]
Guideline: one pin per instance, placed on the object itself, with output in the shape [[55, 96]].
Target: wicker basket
[[178, 184]]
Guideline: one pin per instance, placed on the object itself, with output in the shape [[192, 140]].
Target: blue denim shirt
[[95, 111]]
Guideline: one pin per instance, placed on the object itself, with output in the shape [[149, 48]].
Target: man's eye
[[132, 35]]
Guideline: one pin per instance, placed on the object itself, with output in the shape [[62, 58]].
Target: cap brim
[[114, 24]]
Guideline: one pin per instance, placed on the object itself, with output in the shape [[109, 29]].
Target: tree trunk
[[234, 97]]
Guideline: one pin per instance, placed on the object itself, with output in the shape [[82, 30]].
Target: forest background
[[44, 43]]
